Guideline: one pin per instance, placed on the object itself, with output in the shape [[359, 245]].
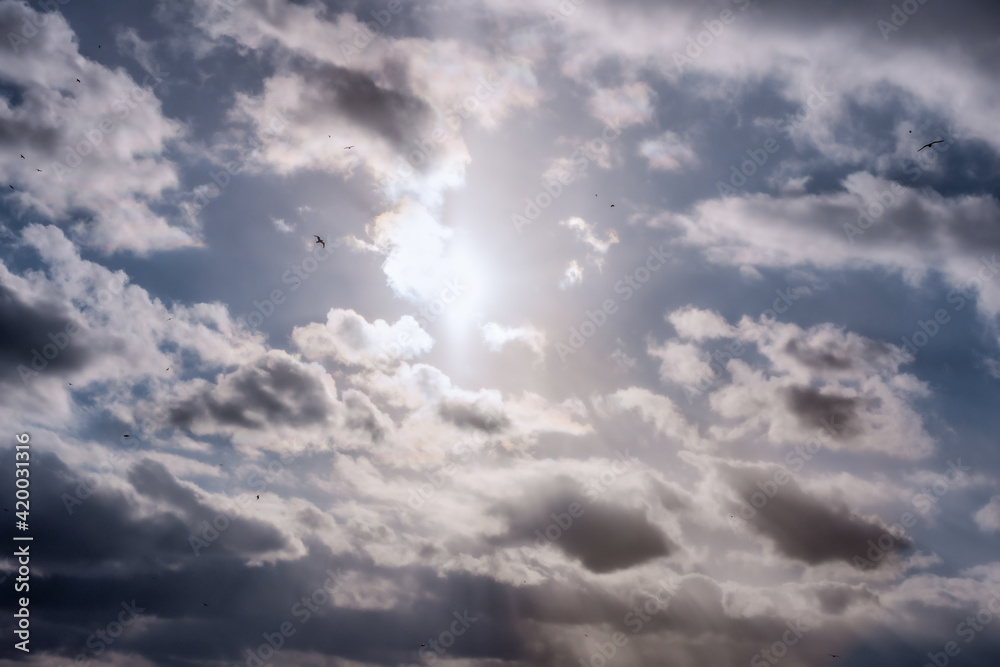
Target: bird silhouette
[[78, 81], [38, 170], [12, 187], [125, 436], [320, 241], [832, 655], [347, 148], [612, 206], [930, 144], [258, 496], [22, 157]]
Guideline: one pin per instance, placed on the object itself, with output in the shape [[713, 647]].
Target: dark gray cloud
[[805, 527], [105, 553], [394, 114], [814, 408], [37, 334], [473, 415], [603, 536], [91, 524], [275, 391], [838, 355]]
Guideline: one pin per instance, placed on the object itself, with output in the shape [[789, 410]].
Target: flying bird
[[12, 187], [38, 170], [347, 148], [320, 241], [832, 655], [205, 603], [930, 144], [78, 81], [22, 157], [125, 436], [612, 206], [258, 496]]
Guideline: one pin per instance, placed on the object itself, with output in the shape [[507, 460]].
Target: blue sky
[[641, 332]]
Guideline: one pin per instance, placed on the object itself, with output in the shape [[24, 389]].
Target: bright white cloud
[[496, 336], [347, 338]]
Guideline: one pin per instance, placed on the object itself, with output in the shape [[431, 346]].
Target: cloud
[[698, 325], [415, 245], [668, 152], [347, 338], [630, 104], [412, 478], [988, 516], [805, 527], [37, 336], [658, 410], [497, 336], [585, 232], [100, 144], [572, 276], [483, 411], [920, 232], [602, 536], [282, 226], [813, 381], [272, 391], [681, 363]]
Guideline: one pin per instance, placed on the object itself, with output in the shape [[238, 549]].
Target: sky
[[500, 332]]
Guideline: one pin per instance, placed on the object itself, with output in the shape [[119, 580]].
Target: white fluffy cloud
[[347, 338], [94, 150], [698, 325]]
